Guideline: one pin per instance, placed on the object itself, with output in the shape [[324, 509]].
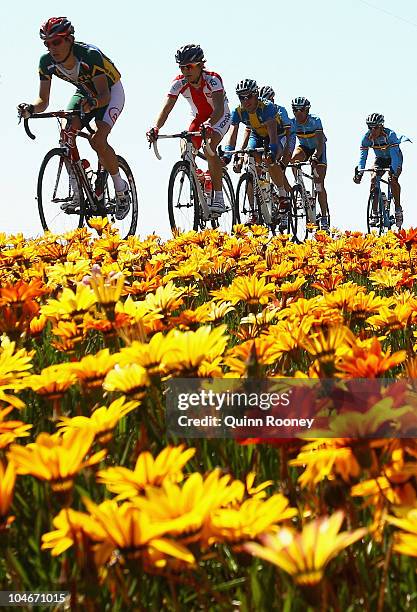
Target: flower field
[[98, 500]]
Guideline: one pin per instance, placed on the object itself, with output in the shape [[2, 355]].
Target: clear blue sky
[[347, 57]]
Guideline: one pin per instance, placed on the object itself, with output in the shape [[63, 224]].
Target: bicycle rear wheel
[[127, 226], [299, 219], [227, 220], [60, 200], [182, 198], [247, 209]]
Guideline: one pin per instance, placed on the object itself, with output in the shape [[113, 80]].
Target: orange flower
[[369, 362]]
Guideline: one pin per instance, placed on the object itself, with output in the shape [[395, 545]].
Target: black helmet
[[300, 103], [374, 119], [189, 54], [267, 92], [56, 26], [247, 86]]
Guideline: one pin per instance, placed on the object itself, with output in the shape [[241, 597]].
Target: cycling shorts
[[384, 163], [109, 113], [221, 127], [309, 152]]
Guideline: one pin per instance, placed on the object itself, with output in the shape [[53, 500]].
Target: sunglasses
[[247, 97], [188, 66], [53, 43], [299, 110]]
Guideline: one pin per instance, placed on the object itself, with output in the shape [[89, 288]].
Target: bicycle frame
[[67, 142], [383, 211], [188, 156], [299, 180]]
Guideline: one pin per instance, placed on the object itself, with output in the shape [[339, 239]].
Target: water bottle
[[208, 186], [88, 170], [200, 176]]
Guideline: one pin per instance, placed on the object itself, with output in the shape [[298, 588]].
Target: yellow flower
[[165, 299], [55, 458], [386, 278], [196, 347], [305, 555], [98, 223], [91, 370], [252, 290], [131, 531], [405, 541], [251, 519], [131, 379], [14, 366], [70, 526], [7, 482], [53, 382], [70, 304], [107, 289], [102, 421], [148, 471], [10, 430]]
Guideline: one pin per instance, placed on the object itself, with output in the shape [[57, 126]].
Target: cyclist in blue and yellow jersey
[[262, 117], [99, 94], [286, 132], [312, 146], [386, 146]]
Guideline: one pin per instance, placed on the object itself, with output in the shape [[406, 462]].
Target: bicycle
[[257, 199], [383, 220], [188, 204], [304, 201], [69, 191]]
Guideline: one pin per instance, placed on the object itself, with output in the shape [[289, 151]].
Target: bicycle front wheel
[[126, 226], [182, 198], [59, 194], [379, 221], [227, 220], [246, 201], [299, 219]]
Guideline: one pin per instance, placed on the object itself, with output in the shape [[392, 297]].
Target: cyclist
[[312, 146], [385, 144], [286, 132], [205, 93], [265, 123], [99, 94]]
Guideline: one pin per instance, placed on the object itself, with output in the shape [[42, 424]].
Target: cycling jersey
[[307, 132], [200, 98], [385, 147], [256, 120], [91, 62]]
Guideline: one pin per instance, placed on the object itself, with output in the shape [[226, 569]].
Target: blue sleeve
[[364, 153], [395, 157], [284, 116], [269, 112], [236, 119], [317, 125]]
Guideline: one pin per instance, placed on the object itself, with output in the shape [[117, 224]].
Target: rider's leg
[[214, 163], [321, 190], [374, 191], [396, 190]]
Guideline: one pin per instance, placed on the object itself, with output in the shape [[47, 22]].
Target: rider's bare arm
[[167, 108], [103, 92], [246, 137], [233, 132], [286, 152], [218, 104], [271, 126], [42, 102], [320, 143]]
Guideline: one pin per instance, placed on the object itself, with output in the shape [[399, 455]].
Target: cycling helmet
[[301, 102], [374, 119], [189, 54], [56, 26], [267, 92], [247, 86]]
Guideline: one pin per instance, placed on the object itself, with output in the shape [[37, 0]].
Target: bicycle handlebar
[[185, 134], [238, 151], [58, 114]]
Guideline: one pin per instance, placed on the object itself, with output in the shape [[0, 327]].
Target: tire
[[380, 226], [185, 216], [227, 220], [299, 215], [243, 207], [54, 190], [128, 225]]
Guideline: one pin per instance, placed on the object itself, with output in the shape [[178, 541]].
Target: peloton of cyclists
[[312, 146], [99, 93], [266, 126], [205, 93], [386, 146]]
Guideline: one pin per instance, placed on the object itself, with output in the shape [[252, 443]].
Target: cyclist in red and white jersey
[[205, 93]]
